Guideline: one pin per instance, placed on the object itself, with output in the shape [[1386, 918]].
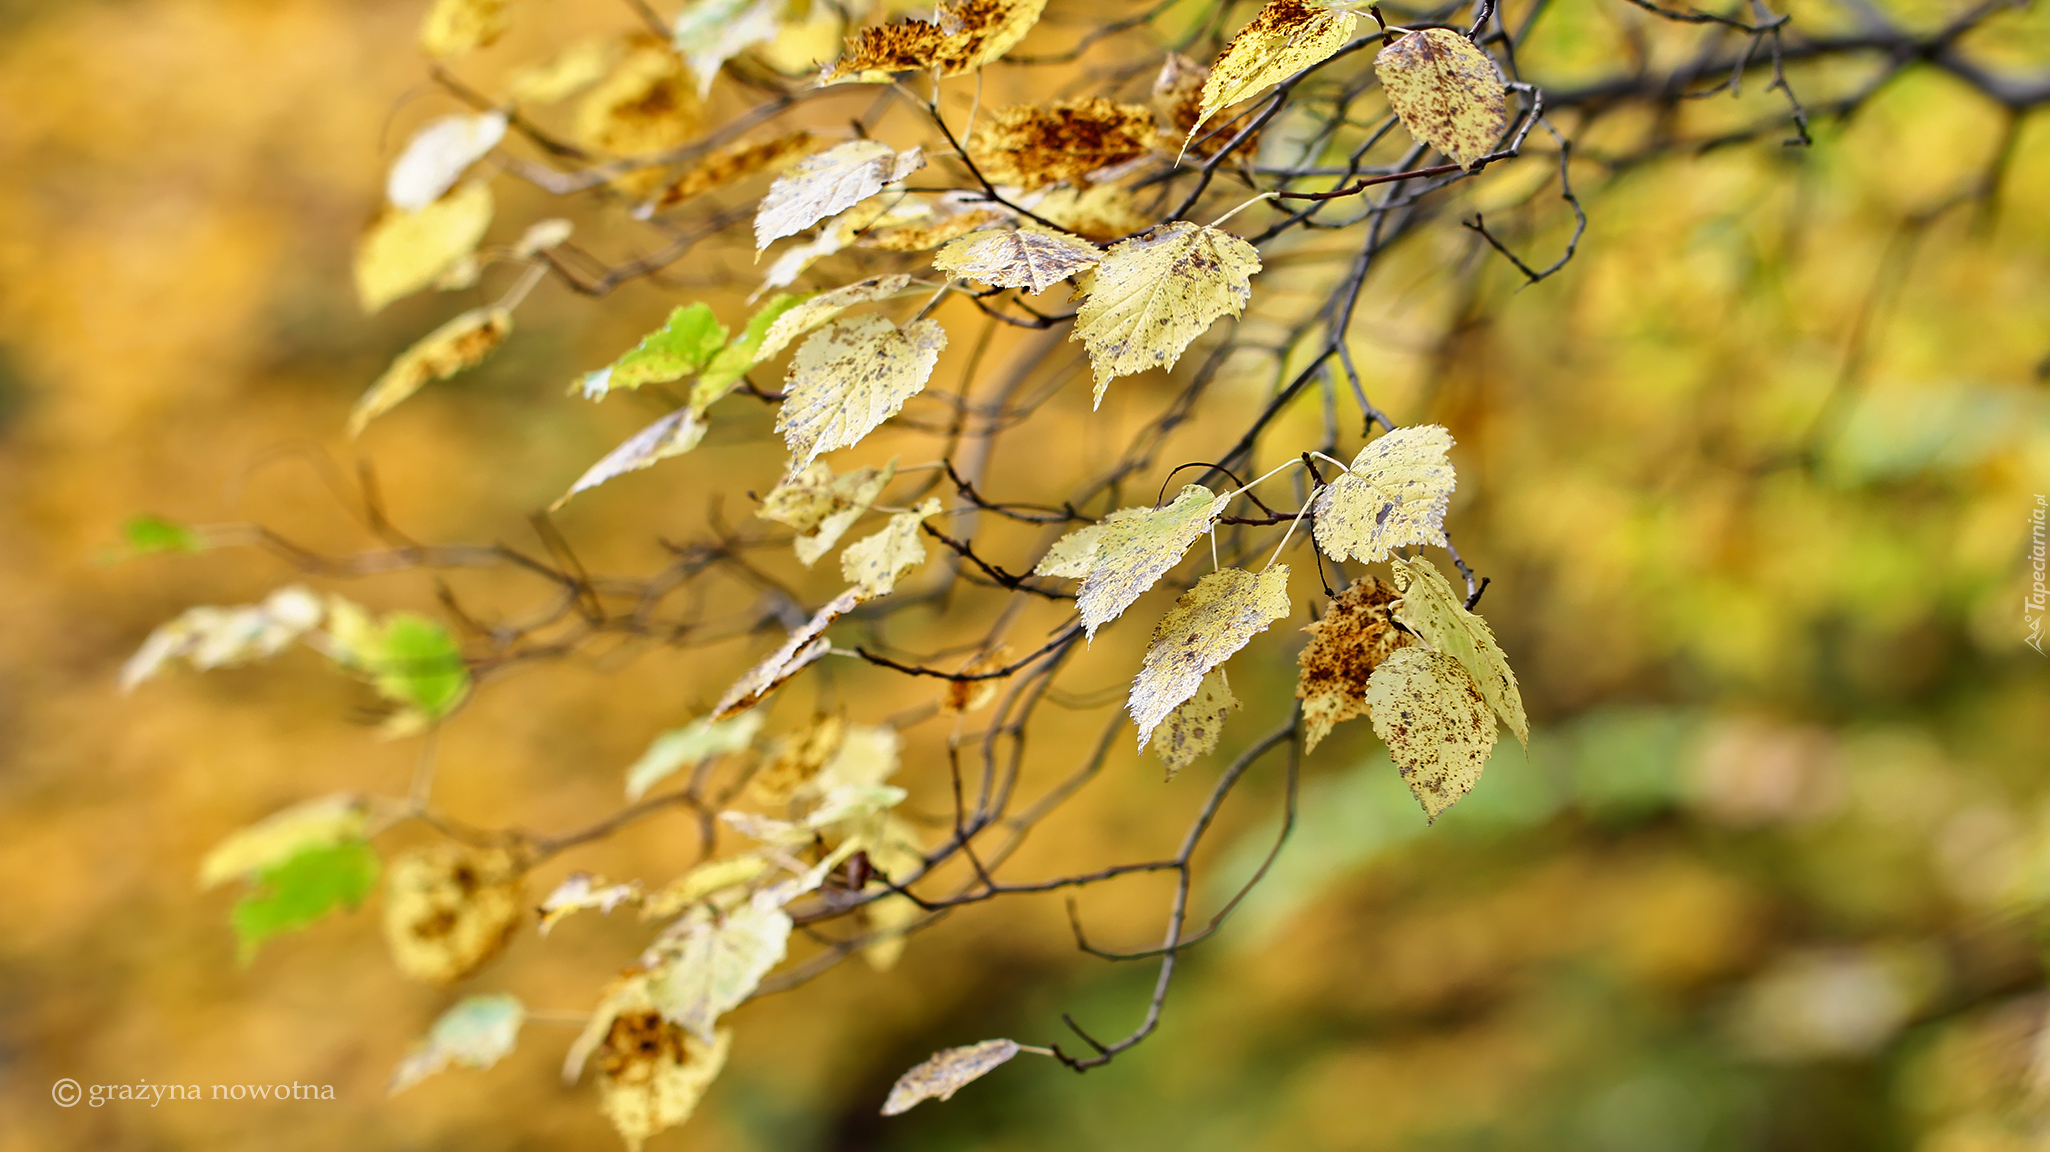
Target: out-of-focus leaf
[[209, 637], [1066, 141], [733, 163], [689, 746], [1103, 213], [1438, 728], [404, 252], [1355, 635], [1193, 728], [963, 696], [706, 880], [1033, 259], [449, 908], [962, 37], [567, 73], [476, 1033], [685, 343], [1118, 559], [711, 32], [647, 103], [461, 343], [1210, 622], [848, 378], [302, 889], [829, 183], [150, 534], [672, 435], [542, 235], [1437, 614], [706, 965], [794, 759], [946, 1073], [581, 892], [319, 823], [875, 563], [822, 506], [437, 157], [453, 27], [1154, 294], [410, 660], [651, 1073], [1393, 495], [1286, 37], [1448, 92], [804, 646]]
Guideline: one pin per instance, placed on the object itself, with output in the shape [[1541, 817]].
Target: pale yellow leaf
[[1210, 622], [565, 74], [1193, 728], [1105, 212], [581, 891], [804, 646], [1344, 649], [646, 104], [1438, 729], [1120, 558], [829, 183], [651, 1073], [962, 37], [848, 378], [476, 1033], [887, 920], [711, 32], [672, 435], [1448, 92], [461, 343], [946, 1073], [404, 252], [794, 759], [1392, 496], [282, 835], [1034, 259], [875, 563], [689, 746], [449, 908], [809, 313], [1154, 294], [453, 27], [1286, 37], [1070, 141], [209, 637], [542, 235], [706, 880], [705, 965], [1437, 614], [437, 157]]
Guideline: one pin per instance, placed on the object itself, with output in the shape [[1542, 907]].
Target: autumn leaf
[[1286, 37], [689, 746], [1154, 294], [685, 343], [646, 104], [542, 235], [461, 343], [1447, 92], [711, 32], [476, 1033], [706, 880], [1210, 622], [318, 823], [409, 660], [672, 435], [847, 379], [732, 164], [453, 27], [1438, 729], [804, 646], [705, 965], [829, 183], [1105, 212], [1034, 259], [918, 221], [404, 252], [1355, 635], [1119, 558], [437, 157], [1193, 728], [875, 563], [1031, 146], [651, 1073], [565, 74], [582, 892], [1393, 495], [946, 1073], [449, 908], [962, 37], [1437, 614], [807, 313], [795, 759], [822, 506], [208, 637], [963, 696], [732, 362], [301, 890]]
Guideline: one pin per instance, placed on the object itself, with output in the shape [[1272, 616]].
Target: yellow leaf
[[962, 37], [651, 1073], [542, 235], [847, 379], [1437, 727], [1105, 212], [581, 891], [1344, 649], [875, 563], [672, 435], [814, 311], [1210, 622], [461, 343], [448, 909], [1448, 93], [1437, 614], [1286, 37], [732, 164], [706, 880], [454, 27], [804, 646], [647, 103], [404, 252], [1031, 147], [822, 507], [689, 746], [438, 155], [564, 75], [1154, 294], [886, 920], [704, 965], [1118, 559], [1034, 259], [829, 183], [282, 835], [946, 1073], [1392, 496], [209, 637], [1193, 728], [795, 759]]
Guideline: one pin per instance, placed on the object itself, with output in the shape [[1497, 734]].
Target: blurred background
[[1753, 479]]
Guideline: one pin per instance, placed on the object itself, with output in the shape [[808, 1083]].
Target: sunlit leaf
[[1437, 614], [302, 889], [946, 1073], [408, 658], [1032, 146], [732, 362], [317, 823], [807, 313], [689, 746], [461, 343], [706, 965], [209, 637], [1448, 92], [829, 183], [1345, 647], [1210, 622], [1286, 37], [1154, 294], [1393, 495], [1438, 728], [1193, 728], [476, 1033], [437, 157], [850, 377], [804, 646], [582, 892], [875, 563], [822, 506], [685, 343], [453, 27], [1118, 559], [672, 435], [449, 908], [404, 252], [962, 37], [1034, 259]]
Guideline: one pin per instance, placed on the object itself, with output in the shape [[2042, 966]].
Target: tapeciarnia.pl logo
[[2038, 601]]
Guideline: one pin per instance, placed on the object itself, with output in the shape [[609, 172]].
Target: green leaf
[[476, 1033], [680, 347], [732, 362], [301, 890], [149, 534], [419, 663]]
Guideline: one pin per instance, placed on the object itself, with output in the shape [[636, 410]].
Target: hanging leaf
[[476, 1033], [302, 889], [1156, 293], [1392, 496], [318, 823], [847, 379], [404, 252], [964, 696], [1437, 614], [1118, 559], [711, 32], [946, 1073], [919, 221], [808, 313], [1034, 259], [448, 909], [822, 506], [1193, 728], [804, 646], [689, 746], [1210, 622], [461, 343], [795, 759], [454, 27], [1345, 647], [828, 184], [437, 157], [1437, 726], [704, 965], [732, 164], [685, 343], [962, 37], [582, 892], [1066, 141], [732, 362], [651, 1073], [1447, 92], [208, 637], [1286, 37], [672, 435], [875, 563], [706, 880]]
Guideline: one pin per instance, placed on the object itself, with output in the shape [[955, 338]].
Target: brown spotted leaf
[[848, 378], [1286, 37], [809, 313], [1393, 495], [1210, 622], [1437, 614], [1345, 647], [829, 183], [1032, 146], [1448, 93], [1193, 728], [1437, 726], [449, 908], [946, 1073], [1154, 294], [1119, 558], [963, 36], [651, 1072], [1030, 258], [875, 563], [732, 164]]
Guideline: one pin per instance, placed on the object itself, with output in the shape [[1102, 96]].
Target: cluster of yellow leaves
[[651, 1072]]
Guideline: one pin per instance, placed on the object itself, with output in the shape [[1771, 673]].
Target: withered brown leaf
[[1344, 649], [1032, 146]]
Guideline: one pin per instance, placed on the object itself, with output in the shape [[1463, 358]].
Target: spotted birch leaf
[[685, 343], [1210, 622], [732, 164], [848, 378], [1286, 37], [829, 183], [1034, 259], [449, 908], [1447, 92], [689, 746], [706, 965], [711, 32], [1031, 146], [822, 506], [1154, 294], [807, 313], [317, 823], [1434, 611], [961, 38], [437, 157], [804, 646], [1193, 728], [875, 563], [946, 1073], [672, 435], [476, 1033], [1393, 495], [302, 889], [651, 1073], [453, 27], [1119, 559], [208, 637], [582, 891], [1437, 726], [404, 252], [1355, 635], [461, 343]]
